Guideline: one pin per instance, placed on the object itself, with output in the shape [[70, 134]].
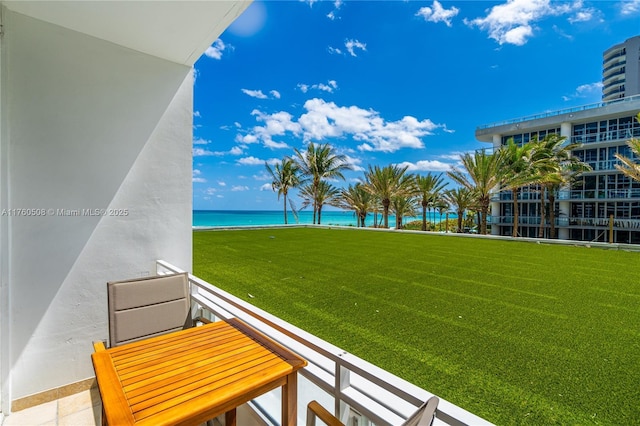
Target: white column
[[565, 206]]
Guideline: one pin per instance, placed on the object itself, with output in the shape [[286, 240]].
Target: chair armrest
[[98, 346], [316, 410], [202, 320]]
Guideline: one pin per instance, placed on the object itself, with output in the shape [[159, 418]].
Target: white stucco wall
[[86, 125]]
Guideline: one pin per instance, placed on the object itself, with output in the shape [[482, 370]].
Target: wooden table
[[194, 375]]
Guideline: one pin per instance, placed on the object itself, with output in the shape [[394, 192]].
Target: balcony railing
[[347, 385], [559, 112], [607, 136], [633, 224], [586, 194]]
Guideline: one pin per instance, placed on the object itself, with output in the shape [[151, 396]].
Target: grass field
[[515, 332]]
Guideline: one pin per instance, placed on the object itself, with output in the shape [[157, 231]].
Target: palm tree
[[461, 199], [480, 175], [403, 206], [516, 171], [284, 175], [356, 198], [325, 193], [555, 167], [428, 189], [320, 162], [629, 167], [386, 183]]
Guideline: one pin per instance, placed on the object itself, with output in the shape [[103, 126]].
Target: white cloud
[[334, 50], [337, 4], [196, 177], [586, 90], [326, 119], [513, 22], [426, 166], [221, 183], [351, 45], [200, 152], [200, 141], [266, 187], [355, 163], [237, 188], [436, 13], [254, 93], [215, 50], [253, 161], [584, 15], [629, 7], [323, 120], [329, 87], [210, 191], [236, 150], [250, 161], [276, 124], [196, 114], [260, 95]]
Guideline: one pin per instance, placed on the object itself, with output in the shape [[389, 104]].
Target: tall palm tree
[[480, 175], [555, 166], [630, 167], [284, 176], [515, 171], [324, 193], [356, 198], [460, 199], [428, 188], [403, 206], [386, 183], [319, 162]]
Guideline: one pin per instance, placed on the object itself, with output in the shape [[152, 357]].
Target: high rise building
[[621, 70], [598, 199]]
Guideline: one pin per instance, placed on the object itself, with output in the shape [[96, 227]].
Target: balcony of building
[[353, 389]]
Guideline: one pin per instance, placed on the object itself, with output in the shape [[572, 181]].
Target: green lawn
[[515, 332]]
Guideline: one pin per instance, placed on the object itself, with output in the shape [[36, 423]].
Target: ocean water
[[228, 218]]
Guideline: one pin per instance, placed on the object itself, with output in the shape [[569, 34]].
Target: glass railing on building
[[348, 386], [522, 196], [585, 194], [634, 98], [609, 136], [626, 224]]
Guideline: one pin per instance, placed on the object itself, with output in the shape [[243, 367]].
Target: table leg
[[290, 400], [230, 418]]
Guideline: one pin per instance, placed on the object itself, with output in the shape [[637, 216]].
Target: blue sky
[[385, 82]]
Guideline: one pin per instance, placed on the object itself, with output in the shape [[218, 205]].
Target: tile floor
[[81, 409]]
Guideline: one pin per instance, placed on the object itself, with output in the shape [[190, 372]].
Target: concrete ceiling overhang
[[175, 30]]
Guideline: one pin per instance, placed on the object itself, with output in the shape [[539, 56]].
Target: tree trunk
[[514, 194], [285, 209], [552, 214], [424, 215], [385, 212], [460, 213], [319, 213], [542, 213]]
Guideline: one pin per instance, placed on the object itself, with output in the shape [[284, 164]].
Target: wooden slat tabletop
[[190, 376]]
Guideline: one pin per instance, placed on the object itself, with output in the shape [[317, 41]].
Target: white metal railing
[[560, 112], [358, 389], [598, 194]]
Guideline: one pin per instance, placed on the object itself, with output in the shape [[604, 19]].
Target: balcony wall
[[87, 126]]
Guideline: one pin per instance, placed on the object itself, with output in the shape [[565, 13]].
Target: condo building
[[602, 204], [583, 211], [621, 70]]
